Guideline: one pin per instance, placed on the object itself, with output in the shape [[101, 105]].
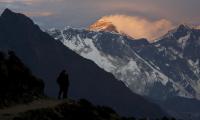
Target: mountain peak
[[180, 30], [11, 18], [184, 27], [103, 25], [7, 12], [107, 26], [188, 27]]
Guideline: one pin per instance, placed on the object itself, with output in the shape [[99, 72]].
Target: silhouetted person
[[63, 82]]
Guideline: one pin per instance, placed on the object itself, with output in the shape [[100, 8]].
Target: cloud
[[80, 13], [138, 27], [28, 2], [38, 14]]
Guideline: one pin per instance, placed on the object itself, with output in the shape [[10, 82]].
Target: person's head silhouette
[[63, 72]]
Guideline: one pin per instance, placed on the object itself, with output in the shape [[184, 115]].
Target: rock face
[[47, 57], [17, 84]]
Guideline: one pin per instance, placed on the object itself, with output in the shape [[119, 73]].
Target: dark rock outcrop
[[17, 84]]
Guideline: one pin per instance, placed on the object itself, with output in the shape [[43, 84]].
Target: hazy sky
[[81, 13]]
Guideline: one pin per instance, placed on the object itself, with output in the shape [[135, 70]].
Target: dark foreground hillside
[[72, 110], [22, 98]]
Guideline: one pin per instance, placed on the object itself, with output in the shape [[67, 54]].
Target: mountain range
[[144, 67], [46, 57], [165, 70]]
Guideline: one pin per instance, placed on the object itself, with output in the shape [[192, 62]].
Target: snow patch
[[183, 41]]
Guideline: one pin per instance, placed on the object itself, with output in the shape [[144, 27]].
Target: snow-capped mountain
[[107, 25], [181, 46], [150, 69], [176, 55], [103, 25]]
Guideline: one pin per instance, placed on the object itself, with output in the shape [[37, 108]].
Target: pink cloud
[[138, 27], [35, 14]]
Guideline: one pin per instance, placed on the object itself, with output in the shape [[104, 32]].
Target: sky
[[82, 13]]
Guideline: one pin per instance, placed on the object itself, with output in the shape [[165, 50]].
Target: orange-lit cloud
[[138, 27]]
